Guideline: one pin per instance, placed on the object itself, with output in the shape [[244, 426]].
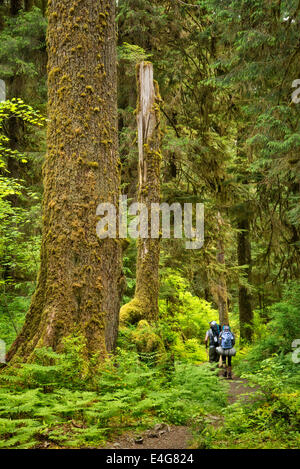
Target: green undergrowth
[[181, 326], [158, 375], [270, 418], [57, 402]]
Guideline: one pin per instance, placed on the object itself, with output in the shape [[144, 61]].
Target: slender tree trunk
[[145, 302], [244, 258], [221, 286], [44, 6], [28, 4], [15, 6], [79, 279], [243, 242], [2, 14]]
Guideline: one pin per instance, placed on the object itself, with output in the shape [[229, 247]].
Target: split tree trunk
[[78, 283], [144, 305], [244, 258]]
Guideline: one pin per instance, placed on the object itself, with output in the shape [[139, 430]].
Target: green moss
[[132, 312], [53, 72], [61, 90], [147, 340]]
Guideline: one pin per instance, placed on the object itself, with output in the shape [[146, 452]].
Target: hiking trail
[[181, 437]]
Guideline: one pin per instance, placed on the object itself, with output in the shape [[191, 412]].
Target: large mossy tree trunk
[[244, 259], [78, 283], [144, 305]]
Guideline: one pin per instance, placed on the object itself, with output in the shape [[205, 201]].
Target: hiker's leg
[[211, 354], [216, 359], [220, 360], [224, 365], [229, 368]]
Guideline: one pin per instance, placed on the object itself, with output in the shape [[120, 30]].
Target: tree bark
[[144, 305], [244, 258], [79, 278]]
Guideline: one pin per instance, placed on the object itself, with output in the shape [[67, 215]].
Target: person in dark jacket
[[212, 340]]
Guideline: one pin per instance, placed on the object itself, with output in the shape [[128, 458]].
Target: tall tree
[[242, 211], [221, 286], [259, 62], [244, 259], [144, 305], [79, 278]]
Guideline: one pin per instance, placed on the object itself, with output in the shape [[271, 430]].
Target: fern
[[38, 403]]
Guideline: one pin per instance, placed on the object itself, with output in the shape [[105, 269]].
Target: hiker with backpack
[[226, 349], [212, 338]]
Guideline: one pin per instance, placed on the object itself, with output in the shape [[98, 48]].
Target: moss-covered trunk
[[78, 282], [145, 302], [244, 259]]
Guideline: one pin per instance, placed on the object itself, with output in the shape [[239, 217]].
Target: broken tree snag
[[144, 305], [78, 288]]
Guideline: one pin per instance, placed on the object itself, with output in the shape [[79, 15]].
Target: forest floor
[[181, 437]]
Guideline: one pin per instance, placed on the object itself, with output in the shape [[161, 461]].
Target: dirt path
[[173, 438], [178, 437], [239, 389]]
